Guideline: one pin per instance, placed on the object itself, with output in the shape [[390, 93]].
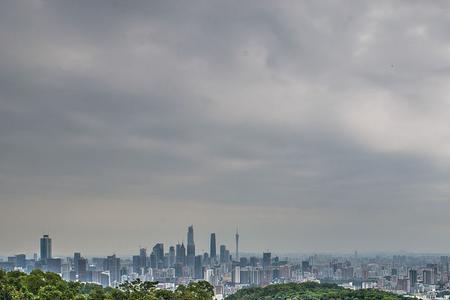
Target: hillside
[[310, 291], [49, 286]]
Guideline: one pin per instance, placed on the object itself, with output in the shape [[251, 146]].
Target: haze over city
[[309, 125]]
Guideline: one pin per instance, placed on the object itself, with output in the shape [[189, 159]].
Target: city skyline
[[312, 126], [425, 276], [46, 246]]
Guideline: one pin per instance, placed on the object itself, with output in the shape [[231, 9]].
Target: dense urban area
[[227, 271]]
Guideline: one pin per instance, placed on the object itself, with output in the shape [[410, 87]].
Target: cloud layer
[[313, 126]]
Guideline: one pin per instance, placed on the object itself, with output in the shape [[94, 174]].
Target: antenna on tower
[[237, 244]]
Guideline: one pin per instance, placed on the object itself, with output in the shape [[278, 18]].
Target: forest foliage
[[39, 285], [310, 291]]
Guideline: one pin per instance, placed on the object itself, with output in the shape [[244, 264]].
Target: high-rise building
[[212, 247], [243, 262], [113, 266], [137, 264], [223, 254], [237, 246], [178, 269], [427, 276], [76, 259], [227, 256], [253, 261], [21, 261], [82, 269], [54, 265], [153, 262], [267, 259], [198, 269], [180, 254], [444, 266], [100, 263], [190, 246], [236, 275], [171, 256], [206, 259], [143, 259], [412, 279], [46, 247], [105, 279], [158, 251]]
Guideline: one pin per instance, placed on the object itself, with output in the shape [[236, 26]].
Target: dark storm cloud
[[315, 119]]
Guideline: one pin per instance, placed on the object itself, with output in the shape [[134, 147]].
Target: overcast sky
[[310, 125]]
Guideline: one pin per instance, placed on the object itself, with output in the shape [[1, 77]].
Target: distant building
[[105, 279], [412, 274], [190, 246], [46, 247], [76, 259], [171, 256], [113, 266], [143, 259], [253, 261], [137, 264], [223, 254], [158, 251], [428, 277], [153, 262], [198, 268], [267, 259], [243, 261], [212, 247], [54, 265], [21, 261], [180, 254], [82, 269]]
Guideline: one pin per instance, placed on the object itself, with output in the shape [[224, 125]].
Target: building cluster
[[177, 264], [421, 276]]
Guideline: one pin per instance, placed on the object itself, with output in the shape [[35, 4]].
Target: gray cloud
[[324, 121]]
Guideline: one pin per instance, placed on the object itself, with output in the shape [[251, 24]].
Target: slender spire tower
[[237, 244]]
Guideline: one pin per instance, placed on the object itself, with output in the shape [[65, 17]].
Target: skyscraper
[[171, 256], [137, 264], [412, 274], [212, 248], [143, 259], [180, 254], [76, 259], [223, 254], [198, 269], [267, 259], [82, 269], [237, 245], [113, 266], [153, 262], [158, 251], [46, 247], [190, 247]]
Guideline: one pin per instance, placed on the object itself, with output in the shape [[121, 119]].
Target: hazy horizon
[[313, 126]]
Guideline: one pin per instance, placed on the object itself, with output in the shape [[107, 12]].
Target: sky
[[309, 125]]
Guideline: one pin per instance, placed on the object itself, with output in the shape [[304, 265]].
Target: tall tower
[[212, 247], [180, 254], [190, 247], [237, 244], [143, 258], [158, 251], [76, 264], [46, 247]]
